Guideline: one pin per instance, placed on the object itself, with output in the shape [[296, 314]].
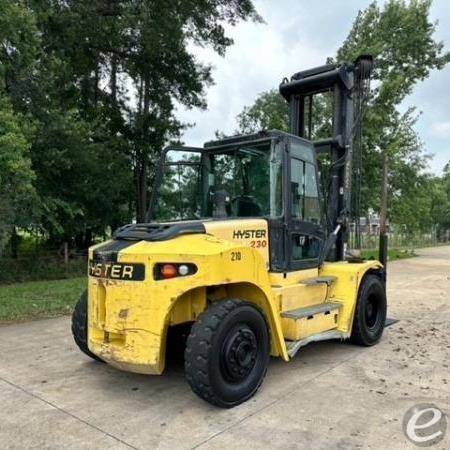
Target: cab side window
[[304, 191], [305, 227], [297, 187], [312, 205], [305, 247]]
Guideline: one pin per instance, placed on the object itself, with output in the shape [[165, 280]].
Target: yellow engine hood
[[248, 232], [196, 241]]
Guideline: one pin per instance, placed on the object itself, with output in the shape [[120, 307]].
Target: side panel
[[248, 232], [291, 294], [345, 288]]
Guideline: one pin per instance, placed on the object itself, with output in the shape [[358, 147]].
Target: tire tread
[[198, 345], [80, 327], [358, 335]]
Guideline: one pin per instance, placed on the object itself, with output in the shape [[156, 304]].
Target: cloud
[[262, 55], [441, 129], [299, 34]]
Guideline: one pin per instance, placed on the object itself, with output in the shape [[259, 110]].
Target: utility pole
[[383, 209]]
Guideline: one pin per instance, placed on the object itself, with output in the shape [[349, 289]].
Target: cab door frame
[[298, 226]]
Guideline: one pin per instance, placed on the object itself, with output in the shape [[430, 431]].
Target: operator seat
[[246, 206]]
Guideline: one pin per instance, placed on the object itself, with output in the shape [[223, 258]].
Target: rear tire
[[227, 353], [80, 326], [370, 314]]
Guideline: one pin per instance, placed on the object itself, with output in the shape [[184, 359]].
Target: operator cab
[[271, 175]]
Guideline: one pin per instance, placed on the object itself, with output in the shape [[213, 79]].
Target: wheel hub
[[239, 353]]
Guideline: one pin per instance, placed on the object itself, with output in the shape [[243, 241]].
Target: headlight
[[165, 271]]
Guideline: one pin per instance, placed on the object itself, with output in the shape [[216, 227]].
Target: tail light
[[165, 271]]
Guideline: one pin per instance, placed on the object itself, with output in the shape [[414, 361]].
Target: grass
[[393, 254], [39, 298]]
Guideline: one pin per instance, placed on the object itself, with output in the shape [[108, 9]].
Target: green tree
[[143, 44], [99, 81], [269, 112], [19, 41], [440, 203], [16, 176], [164, 70], [19, 44], [400, 36]]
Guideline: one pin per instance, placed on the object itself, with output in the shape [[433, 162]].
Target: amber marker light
[[169, 271]]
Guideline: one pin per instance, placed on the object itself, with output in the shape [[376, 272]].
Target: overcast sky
[[299, 34]]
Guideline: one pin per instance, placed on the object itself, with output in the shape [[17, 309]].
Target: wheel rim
[[239, 353], [372, 312]]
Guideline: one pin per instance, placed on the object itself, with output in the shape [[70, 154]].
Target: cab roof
[[242, 138]]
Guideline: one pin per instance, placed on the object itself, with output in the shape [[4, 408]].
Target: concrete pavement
[[332, 395]]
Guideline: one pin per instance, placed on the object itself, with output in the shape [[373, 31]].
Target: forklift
[[245, 246]]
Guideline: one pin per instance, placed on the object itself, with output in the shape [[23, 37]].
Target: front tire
[[370, 314], [227, 353], [80, 326]]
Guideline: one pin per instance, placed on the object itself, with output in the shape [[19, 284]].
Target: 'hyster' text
[[249, 234]]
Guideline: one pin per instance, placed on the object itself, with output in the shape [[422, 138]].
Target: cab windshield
[[239, 181]]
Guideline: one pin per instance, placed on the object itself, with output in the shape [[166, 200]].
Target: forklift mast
[[348, 85]]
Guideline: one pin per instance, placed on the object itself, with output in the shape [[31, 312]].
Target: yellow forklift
[[246, 247]]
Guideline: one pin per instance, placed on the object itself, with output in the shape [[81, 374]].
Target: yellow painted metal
[[290, 294], [189, 306], [291, 278], [136, 314], [299, 295], [128, 320], [248, 232], [345, 289], [304, 327]]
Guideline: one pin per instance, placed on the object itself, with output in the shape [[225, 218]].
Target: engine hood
[[158, 231], [247, 232]]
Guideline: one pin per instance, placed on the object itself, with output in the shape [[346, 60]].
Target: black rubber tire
[[211, 336], [80, 326], [366, 330]]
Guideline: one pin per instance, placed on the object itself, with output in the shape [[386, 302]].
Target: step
[[308, 311], [318, 280], [294, 346]]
